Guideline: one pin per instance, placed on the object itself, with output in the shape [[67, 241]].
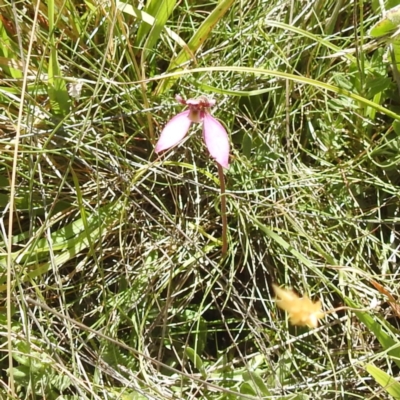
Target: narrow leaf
[[391, 386], [200, 36], [58, 94], [57, 89], [149, 20], [388, 343], [387, 24], [257, 382], [6, 50], [282, 242], [196, 360], [161, 11]]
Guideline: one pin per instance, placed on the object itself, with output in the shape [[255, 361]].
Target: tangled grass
[[113, 283]]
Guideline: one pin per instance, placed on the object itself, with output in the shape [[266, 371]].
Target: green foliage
[[124, 247], [389, 384], [160, 11], [199, 37], [378, 328], [388, 24], [254, 384], [59, 99]]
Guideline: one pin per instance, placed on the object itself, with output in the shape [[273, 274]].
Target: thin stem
[[223, 211], [13, 184], [345, 308]]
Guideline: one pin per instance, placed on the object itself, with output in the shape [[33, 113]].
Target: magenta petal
[[174, 131], [216, 139]]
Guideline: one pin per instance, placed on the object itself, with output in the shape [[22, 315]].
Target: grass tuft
[[113, 282]]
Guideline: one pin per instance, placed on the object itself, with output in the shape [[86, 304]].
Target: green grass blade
[[196, 360], [282, 242], [161, 11], [254, 379], [9, 56], [201, 35], [396, 52], [303, 33], [148, 20], [388, 24], [135, 12], [204, 88], [68, 241], [296, 78], [388, 343], [391, 386], [57, 89]]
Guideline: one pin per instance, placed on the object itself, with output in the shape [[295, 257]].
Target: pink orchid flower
[[214, 134]]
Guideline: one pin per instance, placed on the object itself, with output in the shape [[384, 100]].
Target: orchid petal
[[174, 131], [216, 140]]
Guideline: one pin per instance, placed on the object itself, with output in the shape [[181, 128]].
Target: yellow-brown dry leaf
[[302, 311]]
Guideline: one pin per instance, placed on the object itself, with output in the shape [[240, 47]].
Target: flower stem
[[223, 210]]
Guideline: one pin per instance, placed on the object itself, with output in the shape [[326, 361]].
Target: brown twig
[[223, 211]]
